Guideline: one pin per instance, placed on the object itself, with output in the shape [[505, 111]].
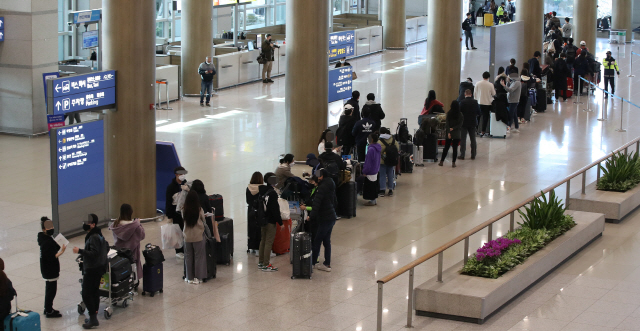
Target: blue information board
[[90, 39], [340, 81], [45, 77], [342, 44], [83, 92], [80, 161], [1, 28], [87, 16]]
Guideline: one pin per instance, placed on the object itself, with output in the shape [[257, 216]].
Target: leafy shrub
[[543, 214], [620, 173]]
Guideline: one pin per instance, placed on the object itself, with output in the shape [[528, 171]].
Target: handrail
[[157, 218], [488, 224]]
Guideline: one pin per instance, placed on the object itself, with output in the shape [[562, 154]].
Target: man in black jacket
[[94, 257], [331, 162], [534, 65], [375, 110], [470, 110], [323, 213], [466, 26], [268, 231], [355, 96], [49, 265], [206, 70], [361, 130], [177, 184], [345, 127]]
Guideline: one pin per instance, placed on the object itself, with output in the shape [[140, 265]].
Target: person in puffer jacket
[[370, 170]]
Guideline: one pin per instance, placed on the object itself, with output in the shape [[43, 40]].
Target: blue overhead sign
[[84, 83], [1, 28], [87, 16], [340, 81], [84, 101], [342, 44], [82, 92]]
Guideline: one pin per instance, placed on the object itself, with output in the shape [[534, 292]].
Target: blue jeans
[[323, 237], [387, 177], [513, 114], [205, 88]]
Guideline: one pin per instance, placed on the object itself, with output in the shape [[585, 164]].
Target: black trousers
[[362, 152], [578, 84], [346, 149], [561, 93], [607, 81], [51, 288], [468, 36], [91, 290], [447, 144], [486, 113], [177, 219]]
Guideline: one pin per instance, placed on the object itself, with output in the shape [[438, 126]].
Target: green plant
[[621, 172], [543, 213]]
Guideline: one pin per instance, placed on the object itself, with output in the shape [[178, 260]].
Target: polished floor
[[243, 132]]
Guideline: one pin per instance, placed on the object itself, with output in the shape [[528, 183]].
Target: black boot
[[93, 322]]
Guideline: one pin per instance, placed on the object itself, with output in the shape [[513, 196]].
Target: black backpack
[[402, 132], [391, 153], [331, 167], [571, 52], [257, 213]]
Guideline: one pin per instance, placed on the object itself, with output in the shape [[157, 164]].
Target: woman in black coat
[[560, 73], [7, 293], [253, 229]]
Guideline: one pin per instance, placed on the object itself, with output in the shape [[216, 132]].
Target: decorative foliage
[[621, 173], [543, 214]]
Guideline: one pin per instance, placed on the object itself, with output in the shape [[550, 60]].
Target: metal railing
[[158, 218], [439, 252]]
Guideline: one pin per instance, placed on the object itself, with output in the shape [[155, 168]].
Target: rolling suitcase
[[296, 229], [152, 279], [406, 165], [120, 268], [430, 148], [488, 19], [541, 97], [226, 226], [347, 197], [301, 255], [569, 90], [217, 202], [210, 250], [31, 322], [406, 148], [223, 249], [282, 240], [498, 128], [418, 161]]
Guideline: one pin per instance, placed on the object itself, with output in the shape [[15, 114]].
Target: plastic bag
[[285, 213], [171, 236]]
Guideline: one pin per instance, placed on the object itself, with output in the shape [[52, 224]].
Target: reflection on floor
[[243, 132]]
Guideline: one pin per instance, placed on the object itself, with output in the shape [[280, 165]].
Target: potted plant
[[621, 173]]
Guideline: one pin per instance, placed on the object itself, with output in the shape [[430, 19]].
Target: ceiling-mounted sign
[[342, 44], [1, 28], [81, 92], [87, 16]]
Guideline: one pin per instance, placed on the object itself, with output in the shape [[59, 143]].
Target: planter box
[[614, 205], [474, 299]]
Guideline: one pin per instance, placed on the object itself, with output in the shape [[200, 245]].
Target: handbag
[[354, 76], [261, 59]]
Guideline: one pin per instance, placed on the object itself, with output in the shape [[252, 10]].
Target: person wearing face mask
[[610, 68], [50, 251], [178, 183], [206, 70], [283, 172], [94, 265], [343, 63], [128, 233]]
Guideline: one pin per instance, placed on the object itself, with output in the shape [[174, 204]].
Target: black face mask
[[50, 232], [86, 227]]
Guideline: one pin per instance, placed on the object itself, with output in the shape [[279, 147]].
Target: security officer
[[610, 66]]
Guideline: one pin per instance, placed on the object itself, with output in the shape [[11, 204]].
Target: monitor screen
[[90, 39], [250, 45]]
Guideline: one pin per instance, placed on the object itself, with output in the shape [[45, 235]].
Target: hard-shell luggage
[[569, 90], [226, 226], [430, 148], [527, 111], [282, 240], [417, 156], [498, 129], [406, 148], [480, 21], [297, 228], [302, 260], [541, 97], [406, 165], [122, 288], [223, 249], [217, 202], [347, 199], [152, 278], [120, 268], [488, 19], [18, 322], [210, 250], [152, 255]]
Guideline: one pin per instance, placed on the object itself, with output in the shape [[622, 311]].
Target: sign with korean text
[[55, 121], [340, 83], [1, 28], [342, 44], [82, 92], [87, 16]]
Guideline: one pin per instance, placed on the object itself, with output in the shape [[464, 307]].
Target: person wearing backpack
[[331, 162], [470, 110], [269, 202], [94, 264], [389, 156], [375, 109], [571, 50], [466, 27], [253, 229]]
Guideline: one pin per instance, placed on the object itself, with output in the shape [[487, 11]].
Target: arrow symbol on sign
[[58, 105], [1, 34], [1, 24], [57, 88], [59, 167]]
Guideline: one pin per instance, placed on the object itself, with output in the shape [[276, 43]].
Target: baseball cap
[[583, 43], [180, 171]]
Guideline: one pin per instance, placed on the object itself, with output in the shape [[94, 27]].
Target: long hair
[[430, 97], [126, 212], [4, 281], [323, 136], [198, 186], [191, 209], [454, 112]]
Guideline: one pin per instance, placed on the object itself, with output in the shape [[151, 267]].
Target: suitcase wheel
[[504, 137], [125, 303], [107, 315], [152, 294], [142, 293], [161, 290], [81, 309]]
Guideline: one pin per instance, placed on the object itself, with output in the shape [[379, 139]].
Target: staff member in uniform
[[267, 52], [610, 65], [177, 184]]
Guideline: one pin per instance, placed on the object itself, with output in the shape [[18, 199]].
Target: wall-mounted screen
[[90, 39]]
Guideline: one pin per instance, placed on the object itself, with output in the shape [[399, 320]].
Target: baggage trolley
[[106, 293]]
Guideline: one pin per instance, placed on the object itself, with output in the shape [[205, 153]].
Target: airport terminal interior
[[243, 131]]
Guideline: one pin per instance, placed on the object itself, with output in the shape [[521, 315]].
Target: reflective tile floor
[[243, 131]]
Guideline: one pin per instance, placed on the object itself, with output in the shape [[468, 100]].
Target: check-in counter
[[363, 41], [412, 31], [163, 59], [280, 57], [172, 74], [375, 39], [422, 28], [228, 66], [249, 67]]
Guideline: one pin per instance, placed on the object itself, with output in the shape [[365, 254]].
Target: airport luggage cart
[[106, 292]]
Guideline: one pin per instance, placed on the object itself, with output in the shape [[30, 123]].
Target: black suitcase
[[347, 200], [406, 148], [120, 268], [152, 278], [120, 289], [226, 226], [211, 257], [302, 264], [541, 106], [223, 249], [406, 166], [430, 150], [217, 203]]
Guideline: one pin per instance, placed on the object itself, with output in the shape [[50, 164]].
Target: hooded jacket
[[362, 129], [372, 161], [94, 253], [324, 202], [376, 112], [356, 108], [129, 234], [49, 263], [387, 139], [273, 208]]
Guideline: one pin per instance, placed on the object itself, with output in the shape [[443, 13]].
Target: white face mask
[[182, 178], [342, 61]]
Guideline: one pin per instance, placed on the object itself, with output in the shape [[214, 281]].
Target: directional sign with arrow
[[95, 90], [1, 28]]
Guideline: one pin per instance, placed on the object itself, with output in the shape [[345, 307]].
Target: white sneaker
[[179, 255], [515, 130], [196, 281], [323, 267]]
